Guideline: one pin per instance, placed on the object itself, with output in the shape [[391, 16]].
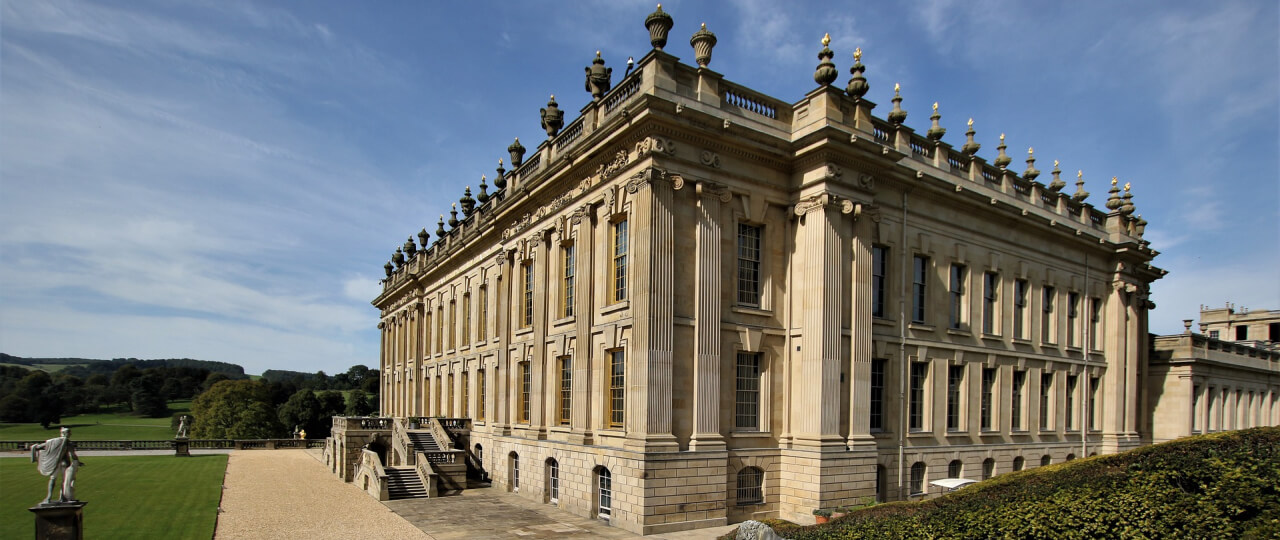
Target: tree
[[219, 408], [15, 408], [302, 411], [358, 404], [258, 421], [212, 379]]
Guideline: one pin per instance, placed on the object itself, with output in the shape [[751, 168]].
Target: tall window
[[1072, 381], [877, 394], [1018, 394], [440, 330], [919, 272], [1046, 398], [566, 285], [1020, 308], [514, 467], [1073, 319], [480, 394], [1019, 463], [604, 485], [526, 388], [619, 262], [988, 398], [553, 480], [750, 489], [955, 380], [1242, 333], [879, 267], [747, 395], [958, 274], [617, 390], [990, 299], [466, 318], [427, 331], [449, 395], [915, 414], [466, 395], [955, 469], [483, 323], [749, 264], [526, 295], [1047, 321], [917, 478], [988, 468], [1095, 316], [566, 389], [1093, 402], [453, 323]]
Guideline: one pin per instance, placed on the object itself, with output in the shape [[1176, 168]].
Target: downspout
[[1085, 418], [902, 350]]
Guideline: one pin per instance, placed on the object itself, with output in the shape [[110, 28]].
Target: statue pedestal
[[59, 520], [181, 447]]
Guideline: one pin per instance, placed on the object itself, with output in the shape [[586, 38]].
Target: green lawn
[[129, 497], [110, 426]]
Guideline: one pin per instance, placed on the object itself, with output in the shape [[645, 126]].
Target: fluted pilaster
[[648, 372], [816, 414], [708, 292], [860, 339]]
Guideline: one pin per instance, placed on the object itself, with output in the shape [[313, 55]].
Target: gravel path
[[289, 493]]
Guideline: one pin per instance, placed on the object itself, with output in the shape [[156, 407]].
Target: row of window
[[956, 391], [955, 469], [602, 482], [958, 312]]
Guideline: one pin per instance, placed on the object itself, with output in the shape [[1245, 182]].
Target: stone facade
[[1259, 328], [1205, 385], [735, 307]]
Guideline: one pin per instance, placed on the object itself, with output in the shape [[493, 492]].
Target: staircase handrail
[[371, 465]]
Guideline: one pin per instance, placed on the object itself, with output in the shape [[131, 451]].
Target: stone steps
[[403, 483]]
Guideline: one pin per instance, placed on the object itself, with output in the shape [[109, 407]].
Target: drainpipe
[[902, 350], [1086, 420]]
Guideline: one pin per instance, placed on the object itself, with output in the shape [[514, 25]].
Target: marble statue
[[57, 457], [182, 427]]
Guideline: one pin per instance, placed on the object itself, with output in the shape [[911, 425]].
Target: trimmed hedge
[[1223, 485]]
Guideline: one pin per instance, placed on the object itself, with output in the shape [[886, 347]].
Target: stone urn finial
[[468, 204], [1140, 227], [970, 146], [936, 131], [1057, 184], [1002, 159], [659, 24], [388, 268], [483, 197], [1113, 195], [409, 248], [1127, 207], [1031, 173], [398, 258], [440, 227], [423, 237], [703, 41], [552, 117], [897, 116], [1080, 195], [826, 72], [453, 216], [858, 84], [599, 78], [517, 153], [500, 181]]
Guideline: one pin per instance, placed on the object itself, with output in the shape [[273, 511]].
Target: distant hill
[[84, 367]]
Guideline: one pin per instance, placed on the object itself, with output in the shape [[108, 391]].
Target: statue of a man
[[182, 427], [57, 457]]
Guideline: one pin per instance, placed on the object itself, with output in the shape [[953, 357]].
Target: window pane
[[749, 265], [747, 402]]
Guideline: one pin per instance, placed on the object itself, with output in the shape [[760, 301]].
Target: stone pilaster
[[649, 366], [708, 295], [502, 397], [584, 255], [860, 339], [816, 391]]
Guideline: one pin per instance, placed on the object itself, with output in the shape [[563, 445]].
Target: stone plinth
[[182, 447], [59, 521]]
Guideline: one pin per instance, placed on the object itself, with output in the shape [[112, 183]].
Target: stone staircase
[[423, 441], [403, 483]]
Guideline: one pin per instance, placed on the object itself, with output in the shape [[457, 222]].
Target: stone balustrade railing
[[194, 444], [353, 423]]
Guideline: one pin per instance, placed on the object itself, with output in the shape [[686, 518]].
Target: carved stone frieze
[[823, 200], [650, 145], [714, 189], [710, 159], [620, 160]]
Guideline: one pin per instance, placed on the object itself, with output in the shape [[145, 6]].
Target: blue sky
[[224, 179]]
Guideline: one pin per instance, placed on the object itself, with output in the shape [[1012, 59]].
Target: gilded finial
[[857, 54], [1114, 180], [936, 131], [659, 6], [1031, 151], [553, 97], [897, 116], [1055, 163], [1002, 137], [896, 87], [826, 39], [704, 26], [499, 162], [970, 123], [935, 106], [1126, 187]]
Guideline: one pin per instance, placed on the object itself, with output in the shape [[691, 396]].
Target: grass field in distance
[[109, 426]]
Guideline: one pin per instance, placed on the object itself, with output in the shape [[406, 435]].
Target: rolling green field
[[128, 497], [99, 427]]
